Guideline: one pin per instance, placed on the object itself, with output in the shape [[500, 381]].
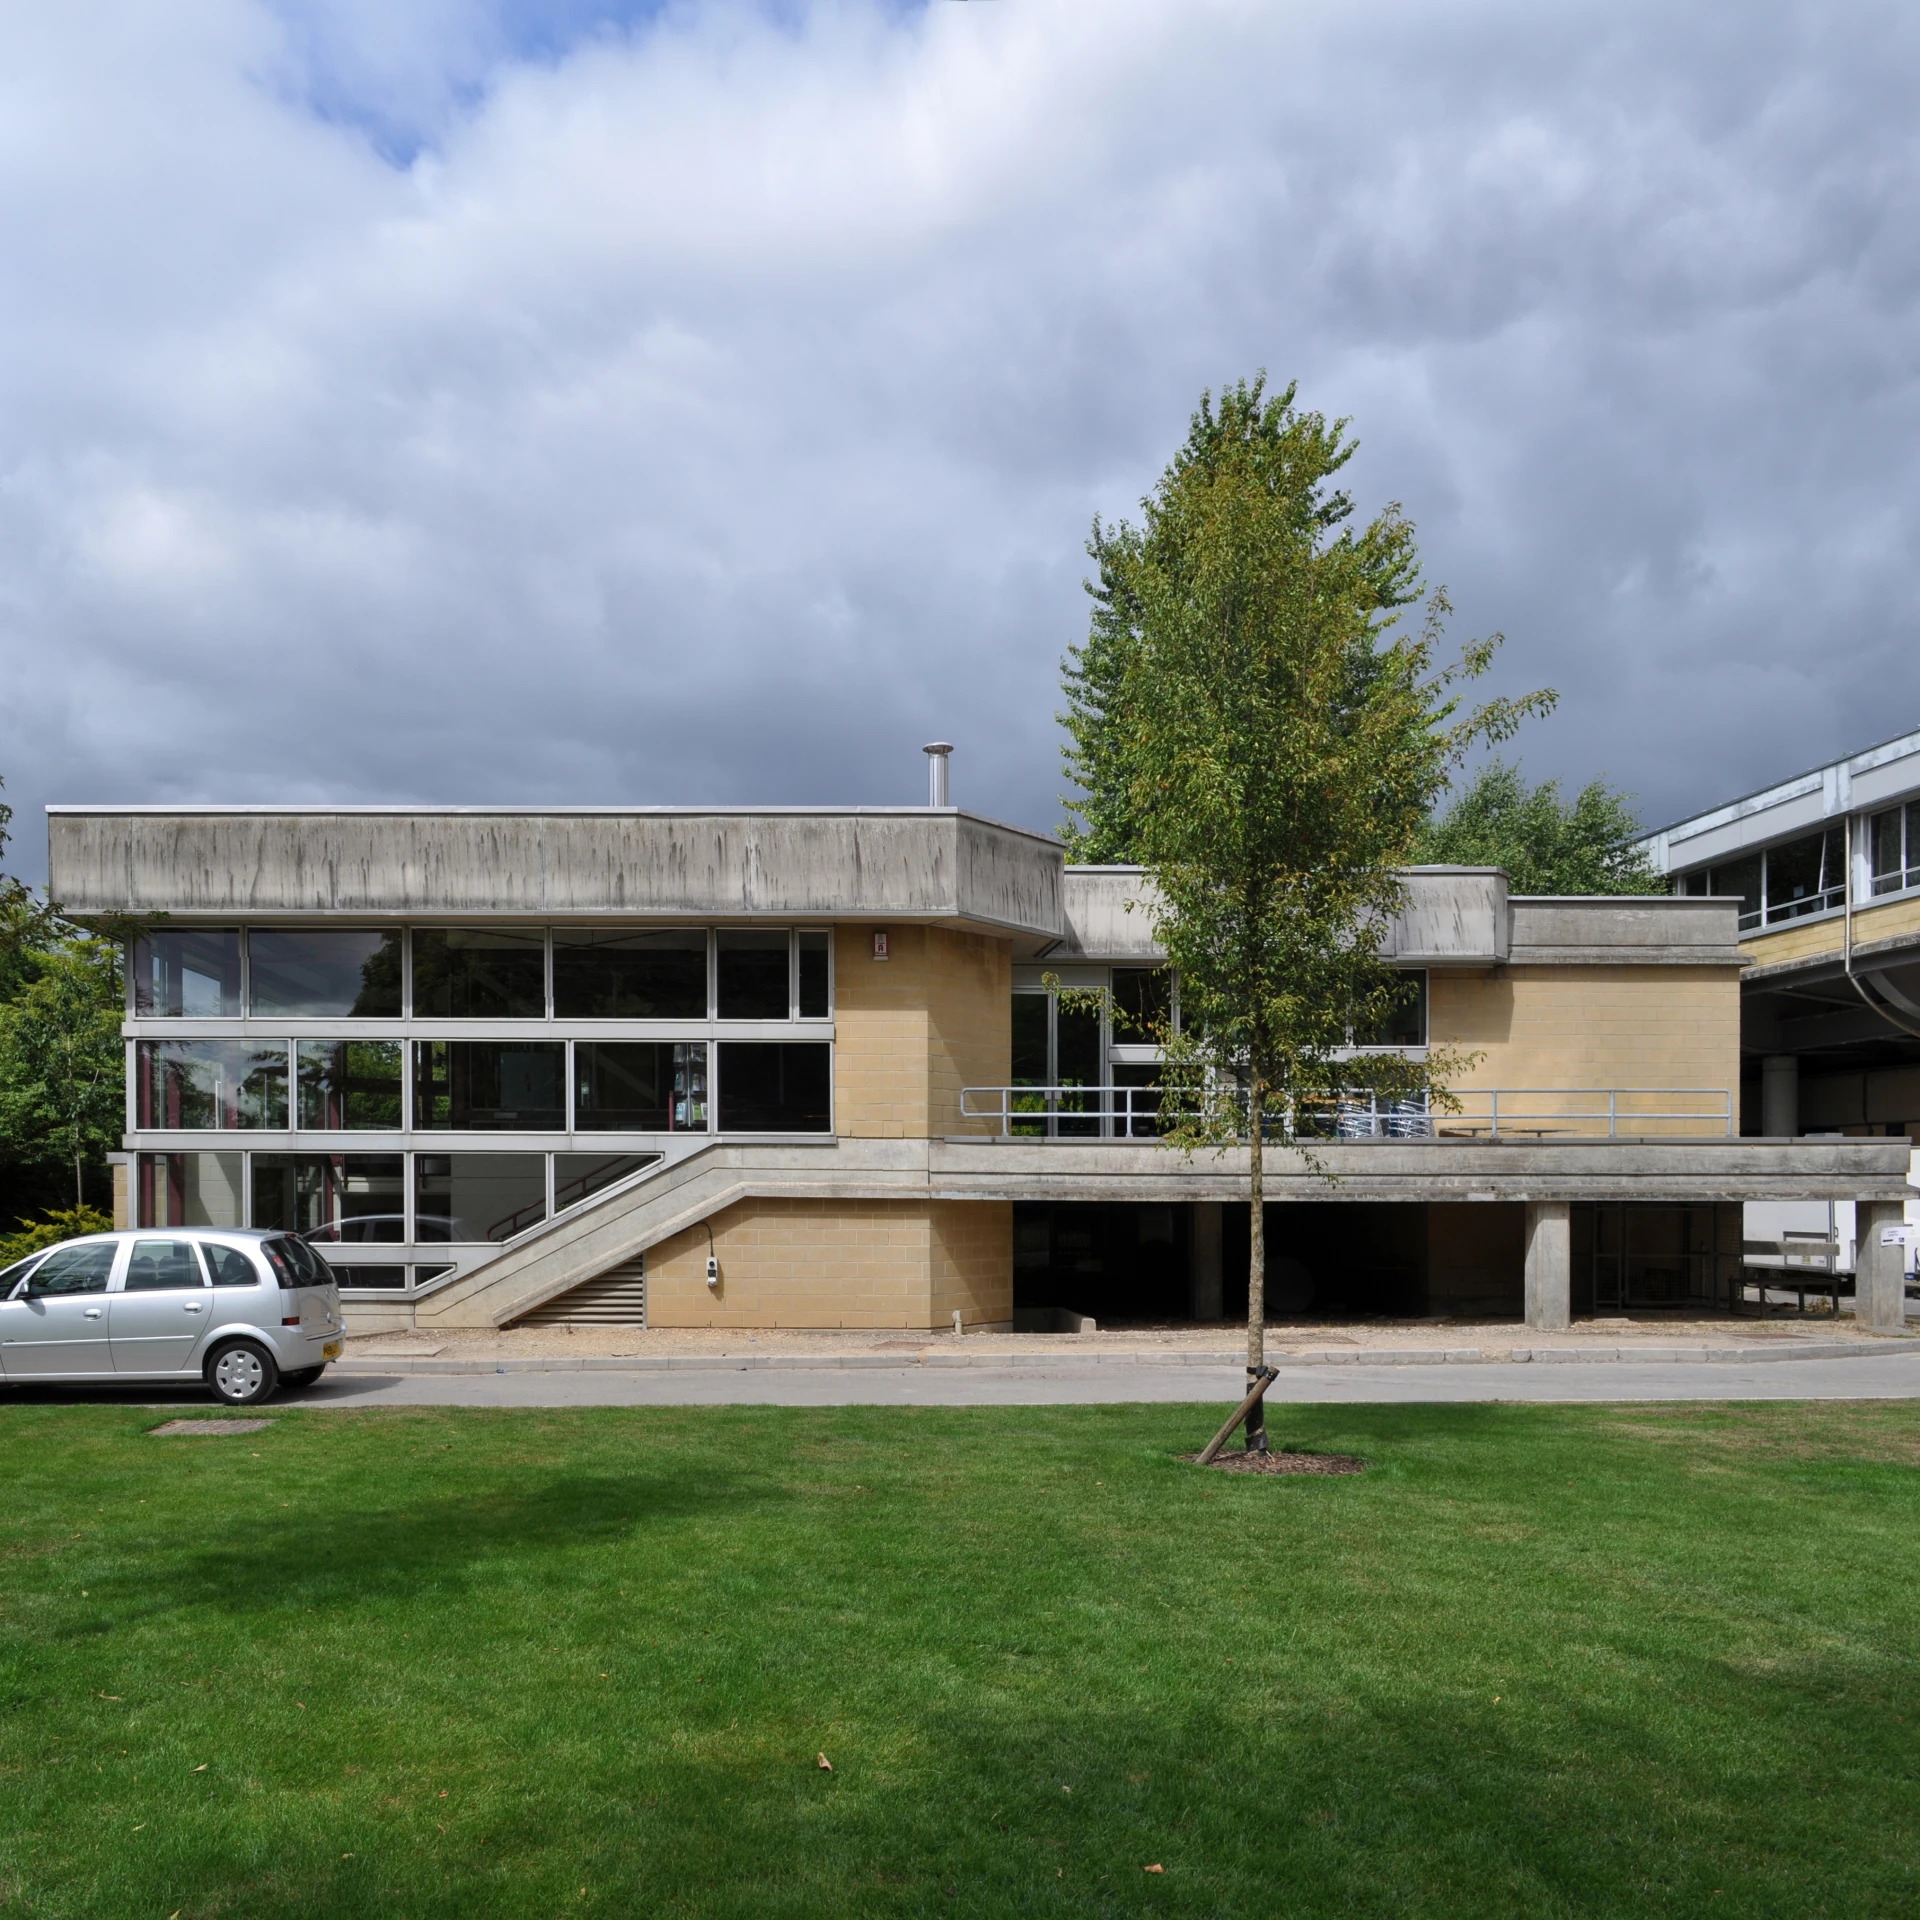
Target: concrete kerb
[[1379, 1357]]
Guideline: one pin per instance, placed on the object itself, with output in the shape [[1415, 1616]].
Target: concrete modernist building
[[1825, 868], [806, 1068]]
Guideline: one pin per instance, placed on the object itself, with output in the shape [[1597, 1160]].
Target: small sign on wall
[[879, 946], [1897, 1236]]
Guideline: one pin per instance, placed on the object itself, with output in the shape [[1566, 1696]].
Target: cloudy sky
[[496, 400]]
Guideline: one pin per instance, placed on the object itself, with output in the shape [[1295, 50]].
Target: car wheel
[[303, 1377], [242, 1375]]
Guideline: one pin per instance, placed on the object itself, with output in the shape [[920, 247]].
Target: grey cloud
[[714, 410]]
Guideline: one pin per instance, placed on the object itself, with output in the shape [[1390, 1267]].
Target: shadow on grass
[[287, 1559]]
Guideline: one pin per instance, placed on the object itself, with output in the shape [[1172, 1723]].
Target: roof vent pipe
[[937, 771]]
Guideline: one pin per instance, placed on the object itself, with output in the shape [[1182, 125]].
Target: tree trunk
[[1256, 1261], [79, 1184]]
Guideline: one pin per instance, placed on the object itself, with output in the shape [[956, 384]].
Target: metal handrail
[[1472, 1113]]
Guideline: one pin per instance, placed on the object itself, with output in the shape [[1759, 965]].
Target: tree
[[62, 1063], [1546, 845], [1251, 724]]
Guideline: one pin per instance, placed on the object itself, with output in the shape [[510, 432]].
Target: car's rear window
[[295, 1264]]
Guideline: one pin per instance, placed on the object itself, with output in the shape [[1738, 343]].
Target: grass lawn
[[1534, 1661]]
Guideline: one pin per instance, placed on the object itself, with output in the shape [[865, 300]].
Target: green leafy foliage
[[62, 1060], [1251, 722], [1545, 843], [57, 1224]]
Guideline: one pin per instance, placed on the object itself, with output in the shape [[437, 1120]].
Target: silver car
[[241, 1310]]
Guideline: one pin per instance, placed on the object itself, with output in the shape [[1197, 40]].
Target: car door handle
[[194, 1306], [92, 1313]]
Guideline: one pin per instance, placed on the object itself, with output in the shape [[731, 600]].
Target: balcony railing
[[1479, 1113]]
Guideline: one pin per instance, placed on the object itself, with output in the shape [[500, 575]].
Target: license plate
[[331, 1351]]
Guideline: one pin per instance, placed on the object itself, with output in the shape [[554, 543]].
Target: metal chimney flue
[[937, 755]]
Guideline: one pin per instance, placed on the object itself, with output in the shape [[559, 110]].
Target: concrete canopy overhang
[[936, 866], [1441, 1171]]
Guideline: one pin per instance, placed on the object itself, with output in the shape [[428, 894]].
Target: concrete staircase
[[618, 1227]]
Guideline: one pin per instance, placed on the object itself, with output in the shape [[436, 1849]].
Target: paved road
[[1896, 1377]]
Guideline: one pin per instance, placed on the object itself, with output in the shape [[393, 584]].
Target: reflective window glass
[[1031, 1064], [1740, 879], [753, 975], [359, 1279], [1796, 875], [477, 973], [650, 974], [499, 1086], [816, 974], [161, 1266], [335, 1197], [211, 1084], [639, 1086], [1142, 1004], [348, 1083], [85, 1268], [579, 1176], [776, 1087], [478, 1196], [295, 1264], [190, 1189], [324, 973], [228, 1266], [189, 973], [1406, 1025]]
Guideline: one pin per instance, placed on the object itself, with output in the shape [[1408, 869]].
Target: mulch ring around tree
[[1238, 1460]]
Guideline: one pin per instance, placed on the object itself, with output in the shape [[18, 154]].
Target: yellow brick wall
[[1591, 1027], [972, 1261], [911, 1030], [839, 1263], [1810, 939]]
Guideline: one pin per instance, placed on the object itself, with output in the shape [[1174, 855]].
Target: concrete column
[[1879, 1273], [1205, 1292], [1780, 1096], [1549, 1266]]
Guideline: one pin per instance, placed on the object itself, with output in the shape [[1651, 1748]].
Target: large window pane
[[359, 1279], [1741, 879], [1142, 1004], [639, 1086], [753, 974], [324, 974], [1076, 1063], [1797, 871], [1031, 1065], [351, 1197], [1406, 1025], [579, 1176], [511, 1086], [190, 973], [197, 1084], [816, 974], [478, 1196], [647, 975], [476, 973], [775, 1087], [348, 1083], [190, 1190]]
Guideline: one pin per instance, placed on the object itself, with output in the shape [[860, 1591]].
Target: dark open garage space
[[1355, 1260]]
